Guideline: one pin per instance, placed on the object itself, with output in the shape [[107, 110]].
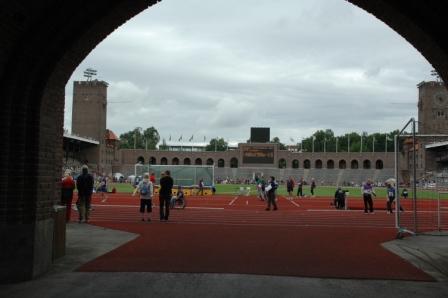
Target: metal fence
[[426, 207]]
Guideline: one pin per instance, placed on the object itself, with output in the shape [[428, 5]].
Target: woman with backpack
[[146, 190]]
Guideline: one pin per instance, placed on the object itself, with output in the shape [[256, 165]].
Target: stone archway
[[37, 58]]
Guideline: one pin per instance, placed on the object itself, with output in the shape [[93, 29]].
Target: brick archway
[[42, 44]]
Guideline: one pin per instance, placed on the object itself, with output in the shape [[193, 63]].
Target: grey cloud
[[215, 68]]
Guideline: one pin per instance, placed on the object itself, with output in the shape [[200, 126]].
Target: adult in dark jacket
[[84, 183], [166, 187], [271, 190]]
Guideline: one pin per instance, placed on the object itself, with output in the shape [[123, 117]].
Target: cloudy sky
[[216, 68]]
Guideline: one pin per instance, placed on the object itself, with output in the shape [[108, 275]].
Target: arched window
[[234, 162], [198, 162], [318, 164], [141, 160], [175, 161], [330, 164], [295, 164], [281, 163], [210, 162], [187, 161], [354, 164], [307, 164], [379, 164], [152, 160], [366, 164], [342, 164], [221, 163], [164, 161]]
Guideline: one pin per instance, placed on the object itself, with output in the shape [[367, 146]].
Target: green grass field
[[320, 191]]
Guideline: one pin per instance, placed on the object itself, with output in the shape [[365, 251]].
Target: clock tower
[[432, 108]]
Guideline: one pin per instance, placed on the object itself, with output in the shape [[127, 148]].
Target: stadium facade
[[244, 160]]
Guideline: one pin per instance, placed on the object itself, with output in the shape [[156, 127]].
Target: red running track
[[229, 234]]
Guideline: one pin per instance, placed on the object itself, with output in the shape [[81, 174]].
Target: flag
[[204, 138], [180, 139], [191, 139], [170, 138], [291, 139]]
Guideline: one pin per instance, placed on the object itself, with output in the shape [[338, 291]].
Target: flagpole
[[325, 145], [386, 144], [337, 139], [360, 149], [373, 145], [313, 145], [348, 146]]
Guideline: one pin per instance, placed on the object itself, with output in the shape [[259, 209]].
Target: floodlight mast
[[89, 73]]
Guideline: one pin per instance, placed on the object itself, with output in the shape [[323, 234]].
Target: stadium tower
[[432, 108], [89, 115]]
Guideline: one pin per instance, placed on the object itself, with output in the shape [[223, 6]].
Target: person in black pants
[[166, 187], [84, 184], [300, 188], [271, 189]]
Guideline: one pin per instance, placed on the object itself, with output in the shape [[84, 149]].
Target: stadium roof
[[81, 139], [437, 145]]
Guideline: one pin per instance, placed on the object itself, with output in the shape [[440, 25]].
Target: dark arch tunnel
[[42, 44]]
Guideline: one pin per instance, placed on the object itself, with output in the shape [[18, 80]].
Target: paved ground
[[86, 242]]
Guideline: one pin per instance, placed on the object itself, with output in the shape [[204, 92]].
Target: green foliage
[[277, 141], [325, 140], [217, 145], [140, 139]]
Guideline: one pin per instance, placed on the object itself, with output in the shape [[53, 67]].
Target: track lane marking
[[233, 201]]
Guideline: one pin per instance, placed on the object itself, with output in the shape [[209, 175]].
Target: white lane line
[[291, 201], [155, 206], [233, 201]]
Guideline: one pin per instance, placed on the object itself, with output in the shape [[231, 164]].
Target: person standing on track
[[271, 190], [290, 187], [84, 183], [146, 190], [300, 188], [152, 178], [313, 186], [166, 187], [391, 198], [367, 192], [67, 187]]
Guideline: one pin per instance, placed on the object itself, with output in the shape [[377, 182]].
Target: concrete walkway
[[86, 242]]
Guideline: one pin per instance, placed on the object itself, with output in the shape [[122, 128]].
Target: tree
[[139, 139], [277, 141], [217, 145], [151, 135]]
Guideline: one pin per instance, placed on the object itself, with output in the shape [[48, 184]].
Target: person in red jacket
[[67, 187]]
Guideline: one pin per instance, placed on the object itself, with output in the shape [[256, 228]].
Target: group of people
[[266, 192], [290, 185], [146, 190], [84, 184], [368, 193]]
